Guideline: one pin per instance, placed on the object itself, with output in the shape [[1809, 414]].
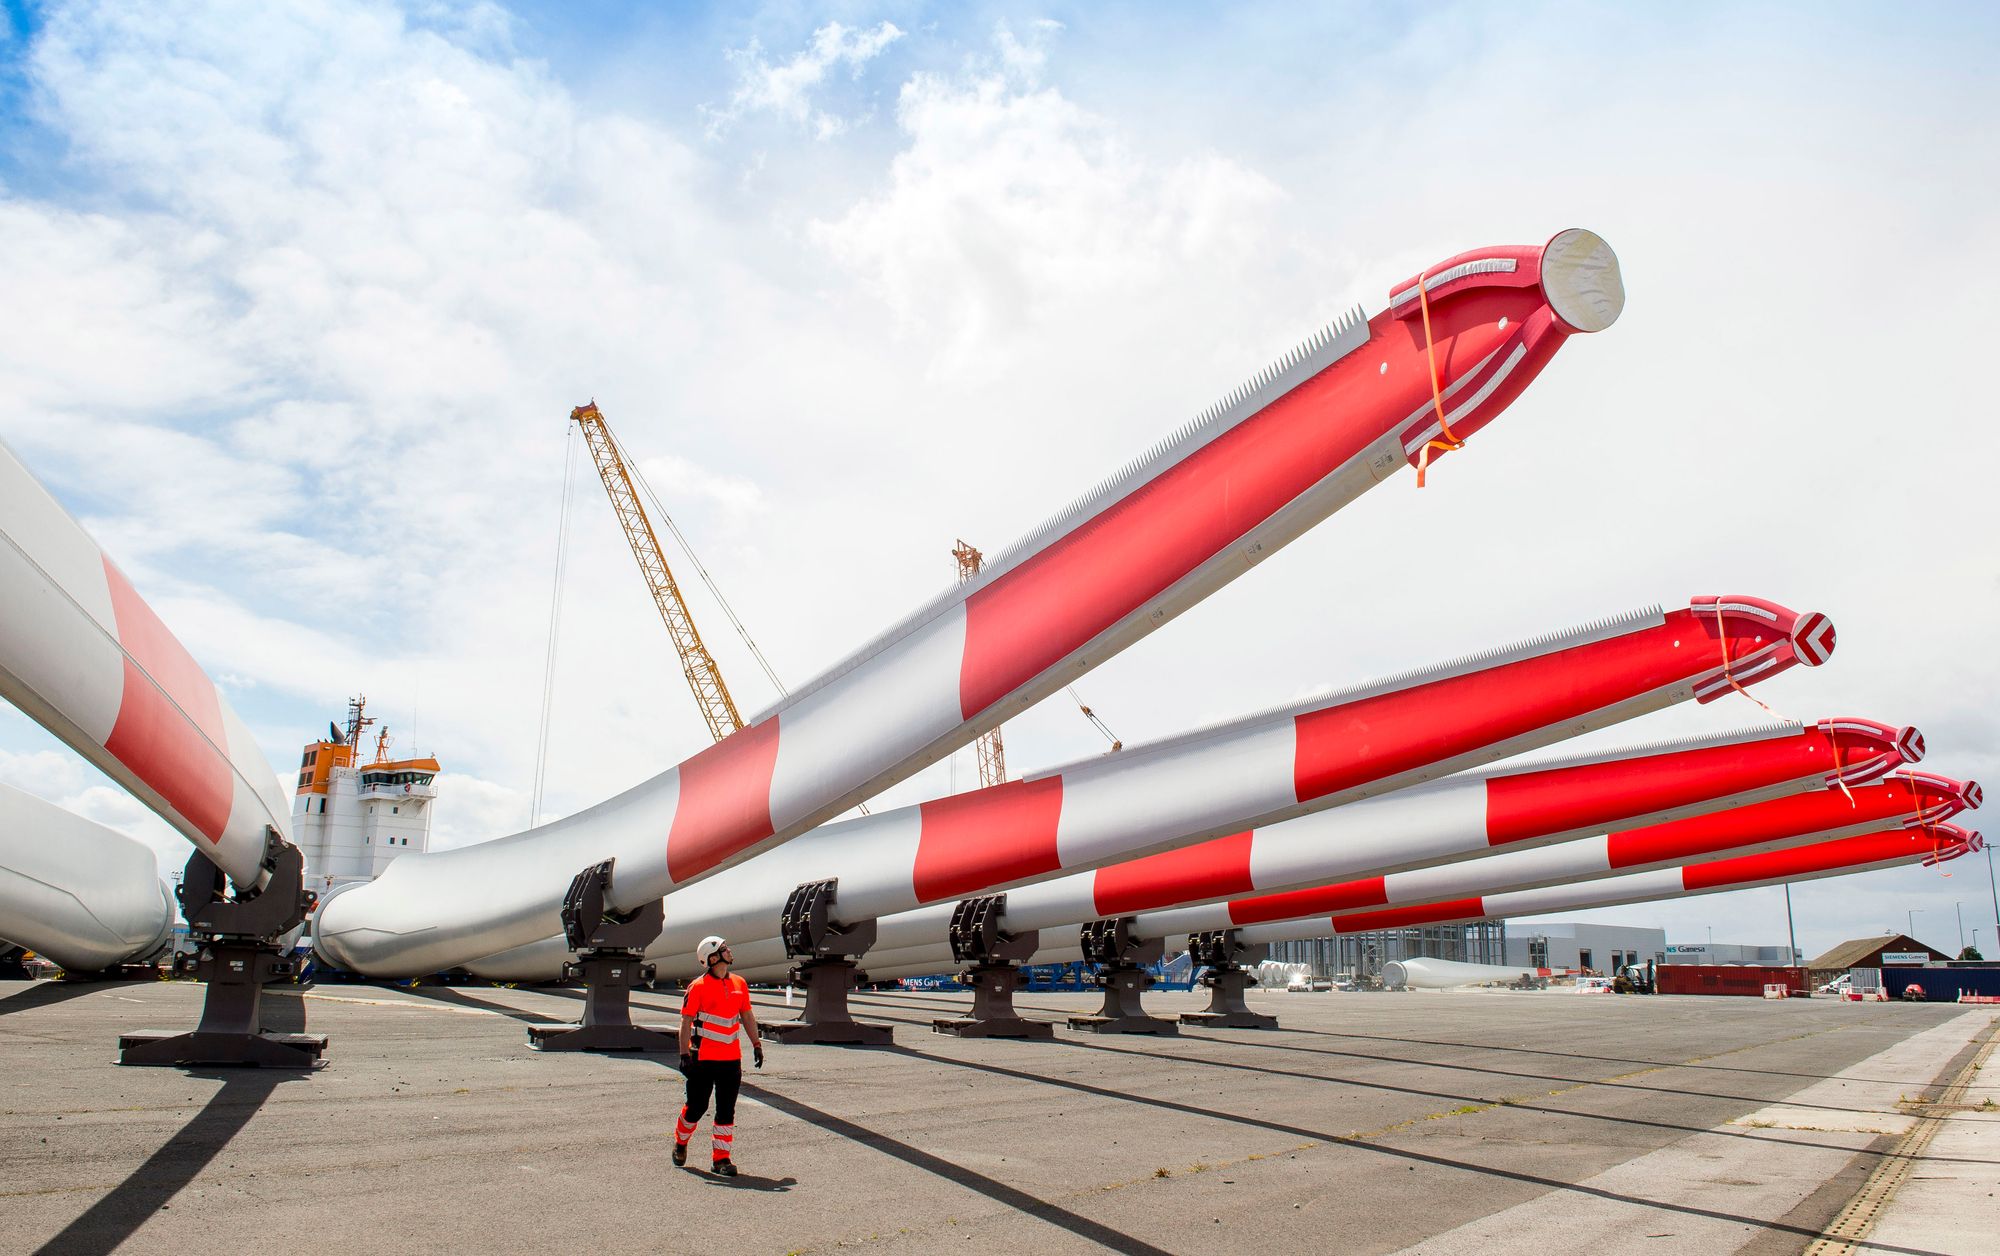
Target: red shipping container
[[1744, 979]]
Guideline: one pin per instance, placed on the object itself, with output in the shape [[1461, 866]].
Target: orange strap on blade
[[1445, 441], [1722, 632], [1839, 770], [1929, 825]]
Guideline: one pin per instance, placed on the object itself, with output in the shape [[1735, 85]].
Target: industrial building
[[1573, 944], [1888, 950], [1361, 955], [1730, 953]]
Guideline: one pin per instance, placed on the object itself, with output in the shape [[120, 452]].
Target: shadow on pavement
[[1262, 1042], [748, 1182], [49, 993], [458, 998], [118, 1216], [1351, 1143], [991, 1188]]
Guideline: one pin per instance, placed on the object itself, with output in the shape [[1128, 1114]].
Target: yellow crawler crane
[[697, 664]]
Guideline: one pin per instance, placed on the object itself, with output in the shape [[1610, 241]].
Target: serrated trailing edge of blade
[[1322, 349]]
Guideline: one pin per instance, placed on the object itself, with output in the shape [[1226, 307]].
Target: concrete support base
[[825, 1021], [993, 1014], [1226, 1008], [1122, 1012], [230, 1032], [609, 977]]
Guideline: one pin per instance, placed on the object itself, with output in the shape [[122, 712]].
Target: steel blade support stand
[[827, 971], [994, 973], [241, 951], [1227, 957], [1121, 974], [610, 949]]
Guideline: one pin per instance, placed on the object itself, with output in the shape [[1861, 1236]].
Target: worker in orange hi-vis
[[714, 1011]]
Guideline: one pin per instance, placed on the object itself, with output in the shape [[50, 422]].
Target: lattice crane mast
[[992, 755], [697, 664]]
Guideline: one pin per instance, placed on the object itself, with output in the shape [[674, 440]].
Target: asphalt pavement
[[1366, 1123]]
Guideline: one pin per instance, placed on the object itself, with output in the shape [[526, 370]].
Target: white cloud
[[1012, 208], [470, 810], [679, 479], [787, 89]]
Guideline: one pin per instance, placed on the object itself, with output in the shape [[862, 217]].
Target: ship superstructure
[[353, 818]]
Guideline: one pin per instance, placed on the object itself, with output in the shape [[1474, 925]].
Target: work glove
[[757, 1054], [687, 1064]]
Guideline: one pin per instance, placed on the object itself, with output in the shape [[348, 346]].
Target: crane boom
[[992, 755], [697, 664]]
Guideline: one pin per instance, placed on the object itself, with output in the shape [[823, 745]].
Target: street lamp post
[[1959, 910], [1994, 887], [1791, 934]]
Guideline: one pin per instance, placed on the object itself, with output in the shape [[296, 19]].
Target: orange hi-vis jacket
[[717, 1008]]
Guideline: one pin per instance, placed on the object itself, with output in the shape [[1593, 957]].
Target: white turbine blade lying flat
[[1249, 475], [1424, 973], [83, 895], [85, 657]]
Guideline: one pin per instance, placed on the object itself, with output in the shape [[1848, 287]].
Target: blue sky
[[314, 287]]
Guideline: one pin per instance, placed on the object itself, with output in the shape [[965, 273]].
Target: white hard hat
[[708, 947]]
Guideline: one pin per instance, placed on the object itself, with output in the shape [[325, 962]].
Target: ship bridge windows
[[395, 778]]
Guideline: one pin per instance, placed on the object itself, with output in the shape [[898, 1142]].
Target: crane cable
[[707, 580], [555, 626], [701, 570], [1092, 716]]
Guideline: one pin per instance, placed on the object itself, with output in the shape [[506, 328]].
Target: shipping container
[[1742, 979], [1942, 985]]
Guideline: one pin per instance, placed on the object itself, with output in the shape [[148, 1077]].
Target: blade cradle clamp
[[610, 948], [994, 959], [827, 951], [1121, 958], [1227, 958], [242, 950]]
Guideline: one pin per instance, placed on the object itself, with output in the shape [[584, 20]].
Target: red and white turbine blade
[[85, 657], [1844, 857], [1841, 857], [1779, 823], [1340, 413], [1268, 768], [1455, 819]]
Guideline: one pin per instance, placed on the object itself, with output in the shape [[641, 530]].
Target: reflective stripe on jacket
[[717, 1008]]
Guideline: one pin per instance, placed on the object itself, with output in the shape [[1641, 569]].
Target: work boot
[[723, 1168], [681, 1155]]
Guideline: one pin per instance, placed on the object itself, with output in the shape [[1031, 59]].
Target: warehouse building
[[1889, 950], [1360, 956], [1731, 953], [1574, 944]]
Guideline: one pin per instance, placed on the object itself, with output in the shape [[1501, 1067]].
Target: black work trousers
[[722, 1077]]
